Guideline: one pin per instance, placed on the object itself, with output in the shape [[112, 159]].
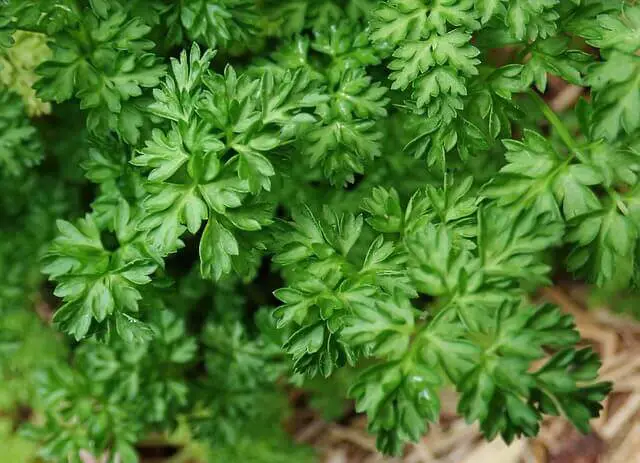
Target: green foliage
[[17, 68], [115, 390], [231, 198], [98, 284], [18, 138], [221, 23], [15, 447]]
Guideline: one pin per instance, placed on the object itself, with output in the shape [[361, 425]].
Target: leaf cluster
[[231, 197]]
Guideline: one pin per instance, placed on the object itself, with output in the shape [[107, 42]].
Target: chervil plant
[[233, 197]]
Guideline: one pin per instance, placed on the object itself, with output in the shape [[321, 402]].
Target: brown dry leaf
[[580, 449]]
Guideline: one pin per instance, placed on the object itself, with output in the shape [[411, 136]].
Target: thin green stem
[[414, 347], [557, 124]]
